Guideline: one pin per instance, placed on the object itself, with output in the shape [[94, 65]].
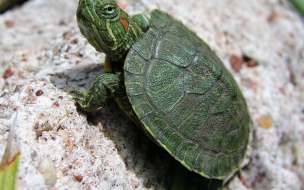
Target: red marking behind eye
[[125, 23]]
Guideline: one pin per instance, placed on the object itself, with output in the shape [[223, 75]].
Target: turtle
[[170, 83]]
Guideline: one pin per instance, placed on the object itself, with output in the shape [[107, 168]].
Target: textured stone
[[45, 51]]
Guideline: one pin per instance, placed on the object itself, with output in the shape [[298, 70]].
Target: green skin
[[110, 30], [181, 95]]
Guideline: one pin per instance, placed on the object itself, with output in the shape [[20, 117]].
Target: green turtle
[[170, 83]]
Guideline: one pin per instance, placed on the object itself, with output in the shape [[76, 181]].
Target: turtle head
[[107, 27]]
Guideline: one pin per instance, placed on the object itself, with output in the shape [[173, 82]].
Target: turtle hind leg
[[104, 87]]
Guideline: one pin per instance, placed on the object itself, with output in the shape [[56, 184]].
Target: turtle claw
[[89, 102], [78, 95], [81, 98]]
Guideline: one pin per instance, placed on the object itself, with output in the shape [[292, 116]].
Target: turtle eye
[[108, 9]]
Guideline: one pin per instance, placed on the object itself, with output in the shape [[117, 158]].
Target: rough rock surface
[[43, 56]]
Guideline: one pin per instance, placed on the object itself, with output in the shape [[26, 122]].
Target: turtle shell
[[186, 99]]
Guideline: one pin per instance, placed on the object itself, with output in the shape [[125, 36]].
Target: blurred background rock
[[8, 4]]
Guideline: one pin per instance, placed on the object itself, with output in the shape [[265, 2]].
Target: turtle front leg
[[142, 21], [105, 86]]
